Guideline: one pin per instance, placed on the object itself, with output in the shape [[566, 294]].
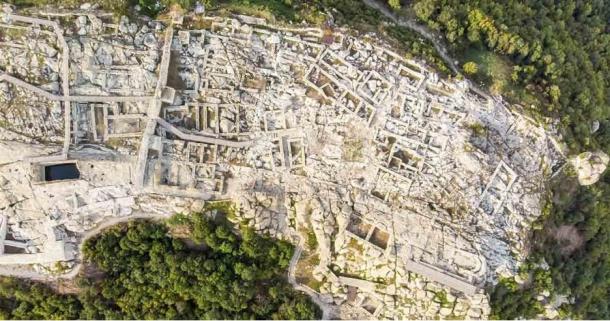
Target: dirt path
[[420, 29], [326, 308], [106, 224]]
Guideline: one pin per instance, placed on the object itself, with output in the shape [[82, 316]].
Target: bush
[[470, 68]]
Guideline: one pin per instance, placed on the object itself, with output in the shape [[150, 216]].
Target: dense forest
[[574, 241], [146, 270], [557, 54]]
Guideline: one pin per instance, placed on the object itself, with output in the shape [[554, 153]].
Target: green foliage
[[150, 7], [478, 129], [394, 4], [509, 301], [118, 7], [282, 9], [153, 8], [440, 297], [583, 273], [470, 68], [27, 300], [559, 53], [150, 275], [312, 240]]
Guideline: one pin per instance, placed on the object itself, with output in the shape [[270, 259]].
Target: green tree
[[470, 68], [554, 93], [148, 274], [394, 4]]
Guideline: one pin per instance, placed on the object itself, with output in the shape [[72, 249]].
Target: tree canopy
[[149, 274], [558, 51], [578, 262], [470, 68]]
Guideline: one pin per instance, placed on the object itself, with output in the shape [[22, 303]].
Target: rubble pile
[[31, 53], [107, 63], [590, 166]]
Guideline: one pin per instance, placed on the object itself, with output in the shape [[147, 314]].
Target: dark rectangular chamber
[[61, 172]]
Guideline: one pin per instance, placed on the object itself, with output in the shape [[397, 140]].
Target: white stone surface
[[590, 166]]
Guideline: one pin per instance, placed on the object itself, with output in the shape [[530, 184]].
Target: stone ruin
[[405, 193]]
